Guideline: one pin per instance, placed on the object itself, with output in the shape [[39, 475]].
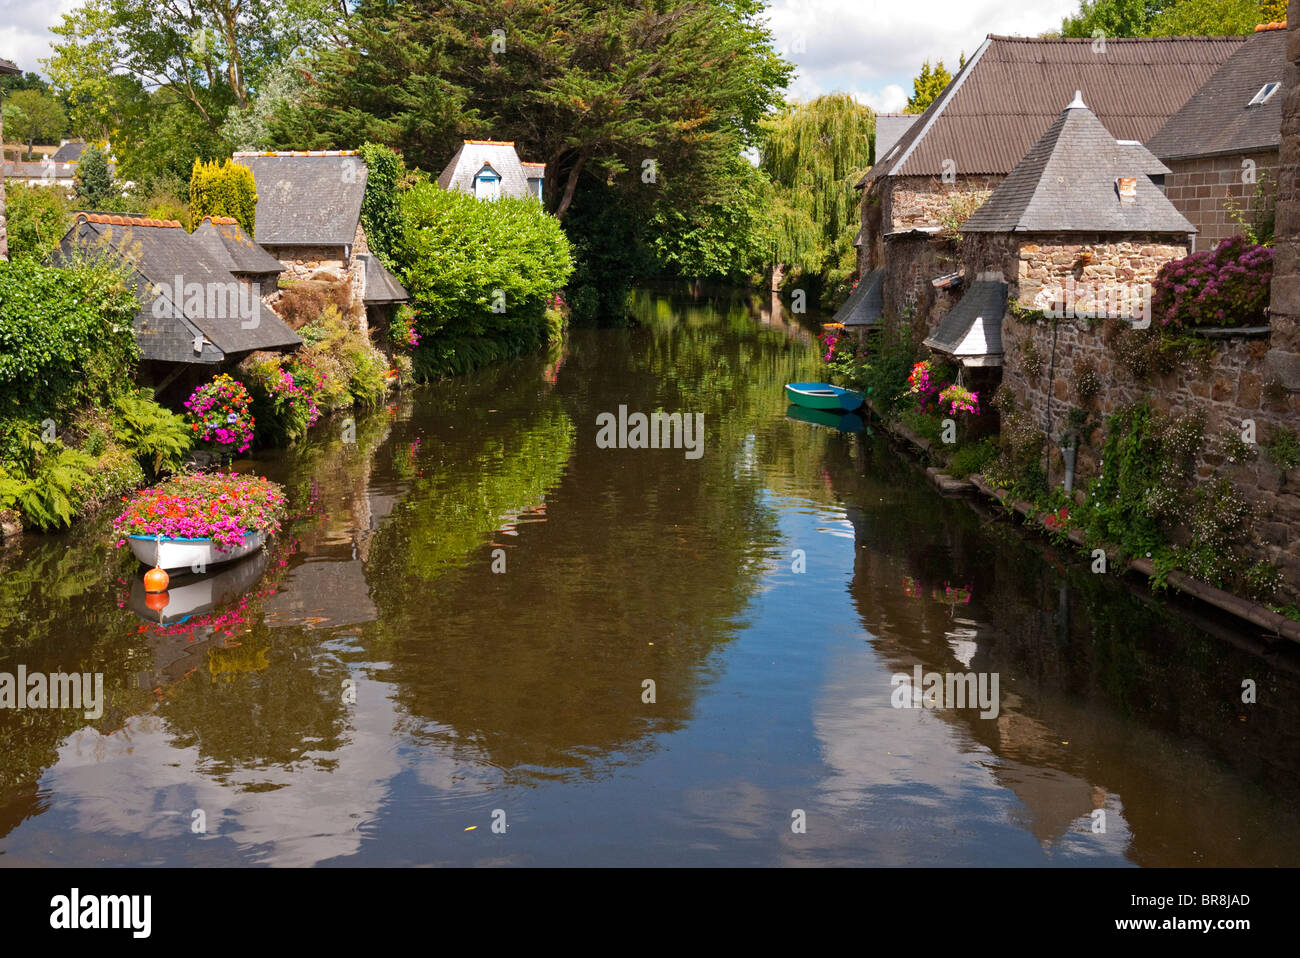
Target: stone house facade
[[1222, 145], [975, 132], [309, 218]]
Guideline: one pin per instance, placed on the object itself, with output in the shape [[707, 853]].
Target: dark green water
[[373, 692]]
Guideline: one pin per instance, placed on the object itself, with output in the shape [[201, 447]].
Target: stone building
[[1011, 89], [1222, 145], [1078, 230], [226, 242], [309, 218], [195, 314]]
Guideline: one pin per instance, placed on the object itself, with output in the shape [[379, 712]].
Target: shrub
[[65, 335], [306, 301], [38, 218], [1087, 382], [284, 405], [223, 189], [1031, 361], [480, 274], [1226, 286], [973, 458]]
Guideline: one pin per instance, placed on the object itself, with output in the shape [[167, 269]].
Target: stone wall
[[1203, 188], [913, 202], [1283, 359], [913, 261], [303, 262], [1089, 267]]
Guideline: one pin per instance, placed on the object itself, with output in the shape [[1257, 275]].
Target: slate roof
[[1068, 183], [381, 285], [7, 66], [159, 252], [307, 198], [1217, 120], [974, 326], [227, 243], [70, 152], [890, 128], [866, 304], [1011, 89], [36, 170], [500, 155]]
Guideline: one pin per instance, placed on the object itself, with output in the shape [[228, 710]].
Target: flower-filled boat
[[195, 521]]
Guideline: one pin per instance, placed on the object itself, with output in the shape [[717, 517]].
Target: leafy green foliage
[[815, 153], [927, 85], [479, 273], [1283, 448], [157, 437], [38, 217], [380, 214], [1155, 18], [225, 189], [33, 116], [65, 335]]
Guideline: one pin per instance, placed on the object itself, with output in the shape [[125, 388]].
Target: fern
[[158, 438]]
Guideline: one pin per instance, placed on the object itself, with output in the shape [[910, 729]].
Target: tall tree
[[94, 180], [814, 153], [1207, 18], [210, 53], [927, 85], [32, 116], [630, 92]]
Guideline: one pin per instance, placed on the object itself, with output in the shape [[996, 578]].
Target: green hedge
[[65, 335], [223, 189], [455, 252]]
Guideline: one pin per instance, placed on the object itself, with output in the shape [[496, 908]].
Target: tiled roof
[[974, 326], [307, 198], [890, 128], [226, 241], [8, 67], [160, 254], [381, 285], [866, 303], [111, 219], [1011, 89], [473, 155], [1217, 119], [1069, 182]]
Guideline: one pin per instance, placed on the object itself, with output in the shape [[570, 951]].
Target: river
[[485, 639]]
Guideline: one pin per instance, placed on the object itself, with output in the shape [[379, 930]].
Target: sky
[[868, 48]]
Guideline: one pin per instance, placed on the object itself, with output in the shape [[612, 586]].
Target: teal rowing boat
[[823, 396]]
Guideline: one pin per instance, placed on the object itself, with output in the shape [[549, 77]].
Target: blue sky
[[869, 48]]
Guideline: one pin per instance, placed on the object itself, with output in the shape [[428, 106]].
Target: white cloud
[[25, 29], [872, 49]]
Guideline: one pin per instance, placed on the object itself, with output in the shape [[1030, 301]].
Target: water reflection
[[464, 610]]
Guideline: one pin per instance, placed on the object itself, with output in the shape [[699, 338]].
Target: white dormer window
[[487, 184], [1266, 91]]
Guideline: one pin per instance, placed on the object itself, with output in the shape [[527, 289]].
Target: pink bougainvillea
[[1226, 286]]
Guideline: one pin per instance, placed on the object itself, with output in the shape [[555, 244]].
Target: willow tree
[[814, 153]]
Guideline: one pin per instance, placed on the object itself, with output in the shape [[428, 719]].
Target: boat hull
[[823, 396], [192, 554]]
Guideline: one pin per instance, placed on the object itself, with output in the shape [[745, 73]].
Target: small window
[[487, 185], [1266, 91]]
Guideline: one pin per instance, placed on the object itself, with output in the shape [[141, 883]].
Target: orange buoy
[[156, 601], [156, 580]]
